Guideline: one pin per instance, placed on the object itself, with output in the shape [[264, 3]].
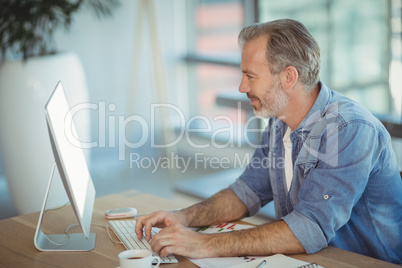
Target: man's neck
[[300, 103]]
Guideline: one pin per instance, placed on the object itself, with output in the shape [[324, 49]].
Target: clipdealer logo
[[116, 125], [112, 129]]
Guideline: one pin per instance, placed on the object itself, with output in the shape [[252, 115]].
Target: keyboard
[[124, 230]]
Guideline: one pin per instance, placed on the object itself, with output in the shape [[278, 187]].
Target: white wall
[[106, 45]]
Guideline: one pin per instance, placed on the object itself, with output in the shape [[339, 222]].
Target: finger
[[167, 237], [167, 250], [140, 224], [159, 243], [145, 223], [178, 240], [164, 246], [148, 228], [159, 220], [154, 242], [138, 227]]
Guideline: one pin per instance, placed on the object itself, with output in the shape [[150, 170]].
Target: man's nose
[[243, 87]]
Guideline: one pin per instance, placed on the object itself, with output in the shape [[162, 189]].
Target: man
[[340, 184]]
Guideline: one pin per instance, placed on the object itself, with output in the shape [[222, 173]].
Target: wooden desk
[[17, 248]]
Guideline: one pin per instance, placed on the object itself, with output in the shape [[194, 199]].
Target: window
[[355, 47], [214, 59], [361, 51]]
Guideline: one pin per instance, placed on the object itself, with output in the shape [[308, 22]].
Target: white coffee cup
[[137, 258]]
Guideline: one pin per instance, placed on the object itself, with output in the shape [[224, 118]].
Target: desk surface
[[18, 250]]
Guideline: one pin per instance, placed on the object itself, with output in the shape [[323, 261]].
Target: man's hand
[[160, 219], [177, 239], [262, 240], [224, 206]]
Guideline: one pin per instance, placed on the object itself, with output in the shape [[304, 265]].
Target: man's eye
[[249, 77]]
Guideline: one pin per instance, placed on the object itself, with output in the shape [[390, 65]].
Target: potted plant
[[30, 68]]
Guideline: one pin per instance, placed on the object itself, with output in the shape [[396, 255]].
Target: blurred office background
[[361, 48]]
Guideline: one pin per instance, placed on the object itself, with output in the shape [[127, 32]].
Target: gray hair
[[289, 44]]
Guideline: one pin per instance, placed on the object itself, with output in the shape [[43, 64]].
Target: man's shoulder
[[336, 113], [345, 111]]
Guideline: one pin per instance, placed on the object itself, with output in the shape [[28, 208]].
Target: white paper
[[278, 260]]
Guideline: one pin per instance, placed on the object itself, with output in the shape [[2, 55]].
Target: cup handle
[[158, 260]]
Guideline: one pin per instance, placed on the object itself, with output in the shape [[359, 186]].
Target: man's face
[[262, 88]]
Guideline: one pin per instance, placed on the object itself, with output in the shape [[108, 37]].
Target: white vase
[[24, 141]]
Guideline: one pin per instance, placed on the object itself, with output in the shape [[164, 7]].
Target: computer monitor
[[74, 174]]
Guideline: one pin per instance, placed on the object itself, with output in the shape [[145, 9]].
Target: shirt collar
[[317, 111]]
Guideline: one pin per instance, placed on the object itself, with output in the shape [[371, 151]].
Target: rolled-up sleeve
[[307, 232], [247, 196]]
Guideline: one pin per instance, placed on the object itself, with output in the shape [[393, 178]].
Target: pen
[[262, 264]]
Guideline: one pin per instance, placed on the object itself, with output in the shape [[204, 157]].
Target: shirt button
[[326, 196]]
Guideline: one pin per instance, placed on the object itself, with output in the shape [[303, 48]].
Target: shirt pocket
[[303, 168], [315, 191]]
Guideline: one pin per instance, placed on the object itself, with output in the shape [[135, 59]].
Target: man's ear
[[289, 77]]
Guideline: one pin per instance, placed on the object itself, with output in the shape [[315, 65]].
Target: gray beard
[[272, 102]]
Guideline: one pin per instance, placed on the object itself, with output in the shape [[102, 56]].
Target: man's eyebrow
[[248, 72]]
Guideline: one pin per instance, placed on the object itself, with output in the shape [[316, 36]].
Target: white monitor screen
[[70, 159]]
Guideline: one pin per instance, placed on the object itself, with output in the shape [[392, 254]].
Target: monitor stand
[[61, 242]]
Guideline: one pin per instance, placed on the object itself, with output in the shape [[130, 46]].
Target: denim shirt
[[346, 189]]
